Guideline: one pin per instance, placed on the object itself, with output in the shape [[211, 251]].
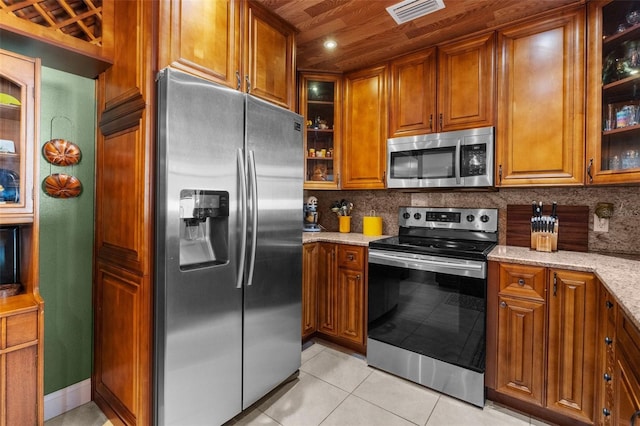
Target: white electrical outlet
[[600, 225]]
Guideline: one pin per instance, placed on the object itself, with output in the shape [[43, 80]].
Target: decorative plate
[[61, 152], [61, 185]]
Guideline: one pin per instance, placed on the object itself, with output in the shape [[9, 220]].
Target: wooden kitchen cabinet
[[521, 341], [327, 288], [605, 344], [626, 378], [309, 289], [618, 371], [342, 294], [22, 314], [613, 124], [21, 400], [571, 357], [202, 39], [365, 129], [466, 83], [412, 100], [236, 43], [451, 87], [321, 107], [544, 341], [540, 108]]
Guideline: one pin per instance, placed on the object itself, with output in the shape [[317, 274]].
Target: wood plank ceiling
[[366, 34]]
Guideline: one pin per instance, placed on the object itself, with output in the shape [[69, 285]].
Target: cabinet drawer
[[351, 257], [522, 281], [22, 328]]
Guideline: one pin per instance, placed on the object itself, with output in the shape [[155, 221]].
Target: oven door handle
[[461, 267]]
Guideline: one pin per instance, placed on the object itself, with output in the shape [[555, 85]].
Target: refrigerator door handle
[[254, 216], [243, 212]]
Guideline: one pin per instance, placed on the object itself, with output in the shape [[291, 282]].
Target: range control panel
[[485, 220]]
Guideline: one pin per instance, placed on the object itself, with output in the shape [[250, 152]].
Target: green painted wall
[[68, 111]]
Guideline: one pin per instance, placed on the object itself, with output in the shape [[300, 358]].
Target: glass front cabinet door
[[17, 128], [613, 129], [320, 107]]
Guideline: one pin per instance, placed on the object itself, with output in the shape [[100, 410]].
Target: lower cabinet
[[626, 376], [341, 293], [20, 366], [542, 346], [309, 289]]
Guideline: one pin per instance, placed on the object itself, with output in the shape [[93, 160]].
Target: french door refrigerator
[[229, 250]]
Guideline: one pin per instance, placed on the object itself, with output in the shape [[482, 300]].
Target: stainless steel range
[[427, 299]]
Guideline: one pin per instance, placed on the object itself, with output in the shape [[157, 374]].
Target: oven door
[[429, 305]]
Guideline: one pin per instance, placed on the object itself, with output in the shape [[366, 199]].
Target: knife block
[[547, 240]]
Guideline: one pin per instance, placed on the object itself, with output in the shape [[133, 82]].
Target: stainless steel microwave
[[460, 159]]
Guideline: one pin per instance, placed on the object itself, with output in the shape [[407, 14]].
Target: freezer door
[[198, 306], [272, 344]]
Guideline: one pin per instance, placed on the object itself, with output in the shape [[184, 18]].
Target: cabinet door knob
[[606, 412], [521, 282], [608, 304], [358, 277], [608, 340], [350, 257], [503, 304], [607, 377]]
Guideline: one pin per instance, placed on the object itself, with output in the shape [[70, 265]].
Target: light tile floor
[[337, 388]]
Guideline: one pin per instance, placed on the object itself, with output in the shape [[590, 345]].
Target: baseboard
[[66, 399]]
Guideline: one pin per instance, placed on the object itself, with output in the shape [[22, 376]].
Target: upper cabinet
[[540, 109], [451, 87], [466, 83], [412, 100], [236, 43], [269, 49], [18, 76], [613, 130], [320, 102], [202, 39], [365, 129]]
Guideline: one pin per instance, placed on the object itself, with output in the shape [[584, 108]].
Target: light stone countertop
[[353, 238], [620, 276]]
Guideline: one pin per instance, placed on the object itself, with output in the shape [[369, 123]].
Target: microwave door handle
[[458, 163]]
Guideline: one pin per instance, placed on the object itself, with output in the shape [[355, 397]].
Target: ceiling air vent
[[408, 10]]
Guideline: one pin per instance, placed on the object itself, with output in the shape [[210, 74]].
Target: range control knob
[[470, 218], [484, 218], [417, 216], [406, 215]]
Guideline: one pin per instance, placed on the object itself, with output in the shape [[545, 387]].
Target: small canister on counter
[[372, 224]]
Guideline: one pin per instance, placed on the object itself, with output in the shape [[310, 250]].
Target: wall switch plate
[[600, 225]]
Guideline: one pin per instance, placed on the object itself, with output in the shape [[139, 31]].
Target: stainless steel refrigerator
[[228, 264]]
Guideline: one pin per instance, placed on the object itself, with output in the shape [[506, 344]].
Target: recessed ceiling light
[[330, 44]]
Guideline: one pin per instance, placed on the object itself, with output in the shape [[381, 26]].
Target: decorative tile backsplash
[[624, 225]]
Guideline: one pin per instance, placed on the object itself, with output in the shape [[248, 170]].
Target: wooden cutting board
[[573, 230]]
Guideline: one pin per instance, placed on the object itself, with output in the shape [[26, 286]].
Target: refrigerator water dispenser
[[204, 228]]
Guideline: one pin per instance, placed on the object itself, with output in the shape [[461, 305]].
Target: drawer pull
[[521, 282], [351, 257]]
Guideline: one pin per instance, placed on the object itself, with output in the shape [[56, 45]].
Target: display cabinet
[[613, 130], [320, 106], [21, 306]]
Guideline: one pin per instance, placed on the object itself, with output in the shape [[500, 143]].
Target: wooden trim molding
[[122, 115]]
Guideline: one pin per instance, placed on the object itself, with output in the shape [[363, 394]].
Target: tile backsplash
[[624, 226]]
